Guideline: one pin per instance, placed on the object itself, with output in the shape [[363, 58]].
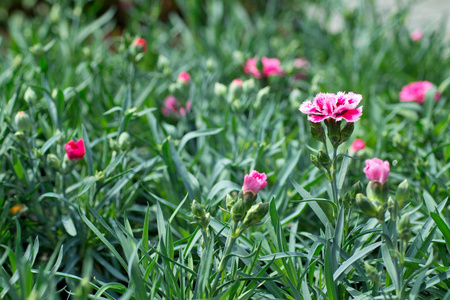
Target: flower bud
[[99, 175], [210, 64], [53, 161], [346, 132], [324, 159], [238, 57], [349, 196], [402, 193], [220, 89], [393, 208], [238, 211], [197, 210], [254, 215], [248, 85], [372, 272], [22, 121], [317, 131], [261, 96], [404, 228], [366, 206], [37, 50], [235, 89], [230, 201], [30, 95], [124, 141]]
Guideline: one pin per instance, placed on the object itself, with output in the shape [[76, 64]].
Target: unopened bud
[[53, 161], [324, 159], [393, 208], [238, 211], [30, 95], [402, 194], [366, 206], [100, 175], [220, 89], [404, 228], [197, 210], [238, 57], [124, 141], [317, 131], [37, 50], [230, 201], [254, 215], [372, 272], [210, 64], [248, 85], [261, 96], [22, 121], [235, 89], [349, 197]]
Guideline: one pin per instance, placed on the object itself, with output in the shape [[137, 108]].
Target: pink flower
[[416, 91], [357, 145], [140, 44], [376, 169], [337, 107], [237, 82], [172, 107], [75, 150], [271, 67], [416, 35], [254, 182], [251, 68], [184, 77]]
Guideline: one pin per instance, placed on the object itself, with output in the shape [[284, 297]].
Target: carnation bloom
[[416, 35], [357, 145], [271, 67], [416, 91], [376, 169], [254, 182], [337, 107], [237, 82], [172, 107], [140, 44], [184, 77], [251, 68], [75, 150]]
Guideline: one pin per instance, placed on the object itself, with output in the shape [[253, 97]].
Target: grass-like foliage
[[205, 151]]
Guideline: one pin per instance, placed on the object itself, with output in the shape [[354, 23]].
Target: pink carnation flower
[[251, 68], [254, 182], [337, 107], [357, 145], [271, 67], [376, 169], [415, 91], [416, 35], [140, 44], [184, 77], [172, 107], [75, 150], [237, 82]]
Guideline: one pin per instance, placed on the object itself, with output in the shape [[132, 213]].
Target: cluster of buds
[[377, 201], [243, 212], [233, 93]]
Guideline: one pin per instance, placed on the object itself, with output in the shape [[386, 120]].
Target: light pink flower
[[75, 150], [357, 145], [251, 68], [140, 44], [237, 82], [184, 77], [376, 169], [271, 67], [172, 107], [254, 182], [416, 35], [416, 91], [337, 107]]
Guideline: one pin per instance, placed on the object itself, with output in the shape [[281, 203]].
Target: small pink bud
[[184, 77], [357, 145], [140, 44], [416, 91], [416, 35], [271, 67], [254, 182], [376, 169], [251, 68], [75, 150], [237, 82]]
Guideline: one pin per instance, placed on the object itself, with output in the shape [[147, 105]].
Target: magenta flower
[[251, 68], [172, 107], [416, 35], [184, 77], [357, 145], [416, 91], [271, 67], [140, 44], [254, 182], [337, 107], [376, 169], [75, 150]]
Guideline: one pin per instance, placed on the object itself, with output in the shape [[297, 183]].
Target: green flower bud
[[238, 211], [124, 141], [235, 89], [366, 206], [197, 210], [220, 89], [254, 215], [317, 131], [324, 159], [261, 96], [210, 64], [238, 57], [37, 50], [372, 272], [22, 121], [30, 96], [162, 62], [346, 132], [248, 85], [349, 197], [99, 175], [402, 194], [53, 161], [230, 201], [393, 208], [404, 228]]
